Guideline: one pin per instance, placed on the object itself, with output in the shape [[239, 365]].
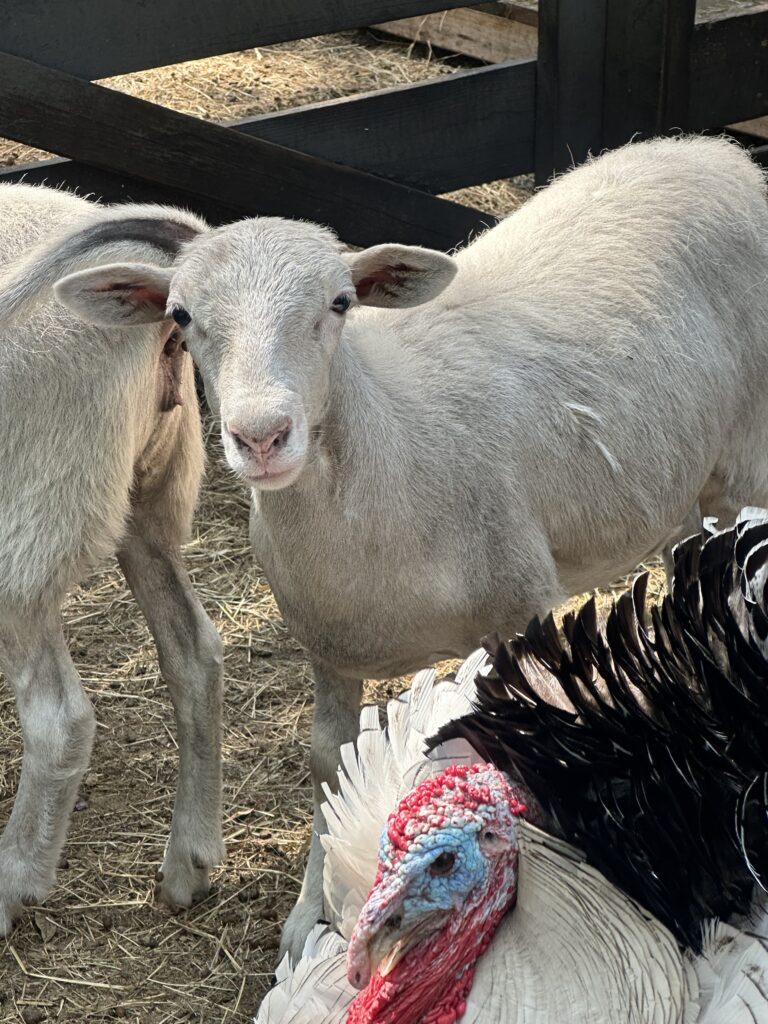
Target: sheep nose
[[265, 444]]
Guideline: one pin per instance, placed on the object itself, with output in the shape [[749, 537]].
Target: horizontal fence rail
[[469, 127], [369, 165], [455, 131], [201, 160], [99, 38]]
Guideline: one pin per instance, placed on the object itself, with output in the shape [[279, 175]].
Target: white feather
[[385, 767], [732, 977], [316, 990], [575, 949]]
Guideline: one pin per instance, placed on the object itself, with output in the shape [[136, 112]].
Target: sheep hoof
[[20, 886], [181, 883]]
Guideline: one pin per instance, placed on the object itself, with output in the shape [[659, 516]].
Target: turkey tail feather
[[653, 751]]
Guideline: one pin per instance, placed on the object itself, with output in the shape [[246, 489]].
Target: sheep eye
[[341, 304], [443, 865], [181, 316]]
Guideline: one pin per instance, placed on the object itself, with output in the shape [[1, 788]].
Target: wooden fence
[[371, 166]]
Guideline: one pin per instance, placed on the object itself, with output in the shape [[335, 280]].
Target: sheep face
[[263, 304]]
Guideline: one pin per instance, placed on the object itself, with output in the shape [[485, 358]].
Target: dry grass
[[100, 949]]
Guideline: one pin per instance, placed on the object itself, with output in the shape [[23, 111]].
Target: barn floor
[[100, 950]]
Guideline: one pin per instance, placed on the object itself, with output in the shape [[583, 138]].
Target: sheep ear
[[399, 275], [116, 294]]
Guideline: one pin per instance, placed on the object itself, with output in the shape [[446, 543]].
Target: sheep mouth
[[272, 478]]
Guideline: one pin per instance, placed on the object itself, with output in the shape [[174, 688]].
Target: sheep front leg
[[336, 721], [191, 662], [57, 725]]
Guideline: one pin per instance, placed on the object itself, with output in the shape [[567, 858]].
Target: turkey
[[586, 840]]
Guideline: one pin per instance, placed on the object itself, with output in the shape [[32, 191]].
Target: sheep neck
[[365, 442]]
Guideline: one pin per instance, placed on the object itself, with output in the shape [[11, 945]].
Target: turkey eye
[[181, 316], [341, 304], [489, 836], [443, 865]]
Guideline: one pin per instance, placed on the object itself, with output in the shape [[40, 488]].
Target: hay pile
[[100, 950]]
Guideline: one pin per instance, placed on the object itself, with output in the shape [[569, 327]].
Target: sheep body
[[595, 370], [91, 465], [591, 383]]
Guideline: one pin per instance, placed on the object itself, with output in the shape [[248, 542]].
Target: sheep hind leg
[[57, 725], [336, 721], [191, 663]]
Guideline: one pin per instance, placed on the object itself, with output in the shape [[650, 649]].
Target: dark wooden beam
[[99, 38], [569, 83], [463, 129], [729, 69], [107, 129], [110, 187], [647, 61], [609, 70]]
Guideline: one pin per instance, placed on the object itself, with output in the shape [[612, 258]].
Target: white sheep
[[101, 452], [569, 395]]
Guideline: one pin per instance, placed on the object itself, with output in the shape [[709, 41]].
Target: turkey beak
[[389, 945], [376, 935], [381, 955], [383, 936]]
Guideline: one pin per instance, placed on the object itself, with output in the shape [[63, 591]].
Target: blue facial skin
[[426, 892]]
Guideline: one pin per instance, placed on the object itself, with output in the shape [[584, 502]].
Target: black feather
[[659, 769]]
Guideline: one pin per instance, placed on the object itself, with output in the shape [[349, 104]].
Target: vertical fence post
[[569, 83], [607, 70], [647, 63]]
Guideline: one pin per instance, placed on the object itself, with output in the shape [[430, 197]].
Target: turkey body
[[637, 739]]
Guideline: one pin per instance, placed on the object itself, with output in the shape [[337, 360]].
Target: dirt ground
[[100, 950]]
